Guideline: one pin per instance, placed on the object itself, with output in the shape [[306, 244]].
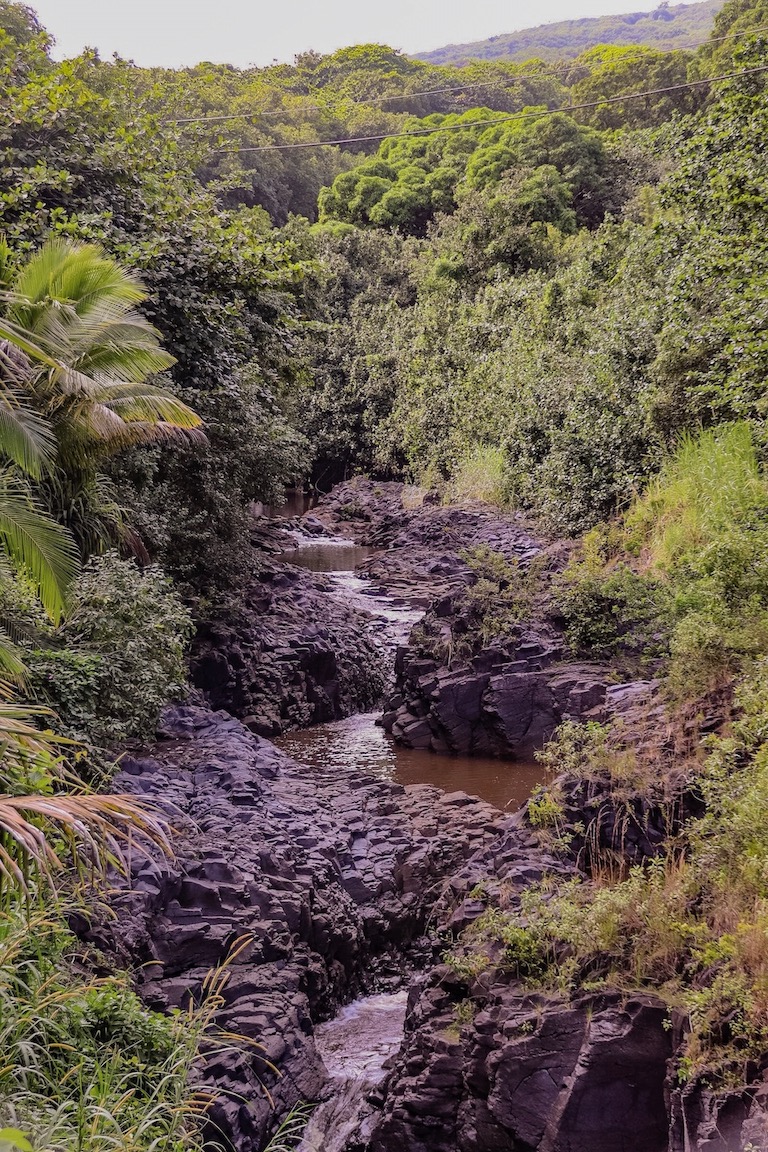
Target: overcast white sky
[[243, 32]]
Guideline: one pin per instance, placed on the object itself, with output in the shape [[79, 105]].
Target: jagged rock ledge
[[333, 884], [289, 654]]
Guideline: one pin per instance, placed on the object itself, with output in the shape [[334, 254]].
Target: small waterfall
[[355, 1046]]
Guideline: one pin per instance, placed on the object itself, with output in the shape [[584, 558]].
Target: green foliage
[[683, 579], [712, 355], [85, 1064], [712, 483], [495, 939], [693, 926], [221, 289], [580, 357], [545, 809], [618, 71], [91, 379], [412, 179], [502, 595], [479, 475], [703, 525], [577, 749], [20, 22], [499, 596], [121, 656], [614, 612]]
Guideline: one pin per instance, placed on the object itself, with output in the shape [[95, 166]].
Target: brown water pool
[[326, 555], [358, 746]]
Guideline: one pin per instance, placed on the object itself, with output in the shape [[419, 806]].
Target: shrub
[[497, 939], [502, 595], [85, 1064], [614, 611], [122, 653]]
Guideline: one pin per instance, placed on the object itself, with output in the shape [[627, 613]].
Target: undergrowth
[[691, 925], [480, 475], [679, 585], [85, 1065], [500, 596]]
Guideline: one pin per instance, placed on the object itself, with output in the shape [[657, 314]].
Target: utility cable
[[496, 84], [505, 119]]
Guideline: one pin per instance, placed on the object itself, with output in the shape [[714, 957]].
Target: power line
[[535, 114], [637, 55]]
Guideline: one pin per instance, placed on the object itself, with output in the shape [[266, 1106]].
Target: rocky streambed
[[330, 885]]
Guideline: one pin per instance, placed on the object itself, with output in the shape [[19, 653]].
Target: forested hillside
[[539, 283], [667, 27]]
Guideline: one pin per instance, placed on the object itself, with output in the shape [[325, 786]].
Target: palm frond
[[42, 547], [147, 402], [18, 731], [100, 830], [81, 273], [17, 333], [25, 437], [13, 670]]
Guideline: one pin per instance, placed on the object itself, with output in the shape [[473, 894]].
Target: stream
[[356, 1044], [358, 745]]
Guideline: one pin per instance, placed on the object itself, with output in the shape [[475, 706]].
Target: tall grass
[[712, 483], [84, 1066], [480, 474]]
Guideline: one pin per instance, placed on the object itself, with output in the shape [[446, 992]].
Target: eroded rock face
[[502, 703], [529, 1073], [337, 887], [488, 1066], [290, 655], [327, 884]]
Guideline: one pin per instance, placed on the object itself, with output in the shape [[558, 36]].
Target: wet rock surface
[[529, 1072], [329, 886], [323, 890], [508, 698], [289, 654]]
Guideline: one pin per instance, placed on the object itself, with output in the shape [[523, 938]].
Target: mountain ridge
[[678, 26]]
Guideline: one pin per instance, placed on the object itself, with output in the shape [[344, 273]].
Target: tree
[[79, 308]]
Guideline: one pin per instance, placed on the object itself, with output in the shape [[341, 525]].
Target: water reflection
[[326, 554], [296, 504], [356, 745]]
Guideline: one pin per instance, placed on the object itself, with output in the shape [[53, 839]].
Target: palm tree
[[86, 359], [74, 361]]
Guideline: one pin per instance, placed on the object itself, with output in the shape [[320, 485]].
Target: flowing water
[[327, 554], [354, 1046], [357, 746]]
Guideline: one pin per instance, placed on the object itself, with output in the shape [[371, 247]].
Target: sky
[[177, 33]]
